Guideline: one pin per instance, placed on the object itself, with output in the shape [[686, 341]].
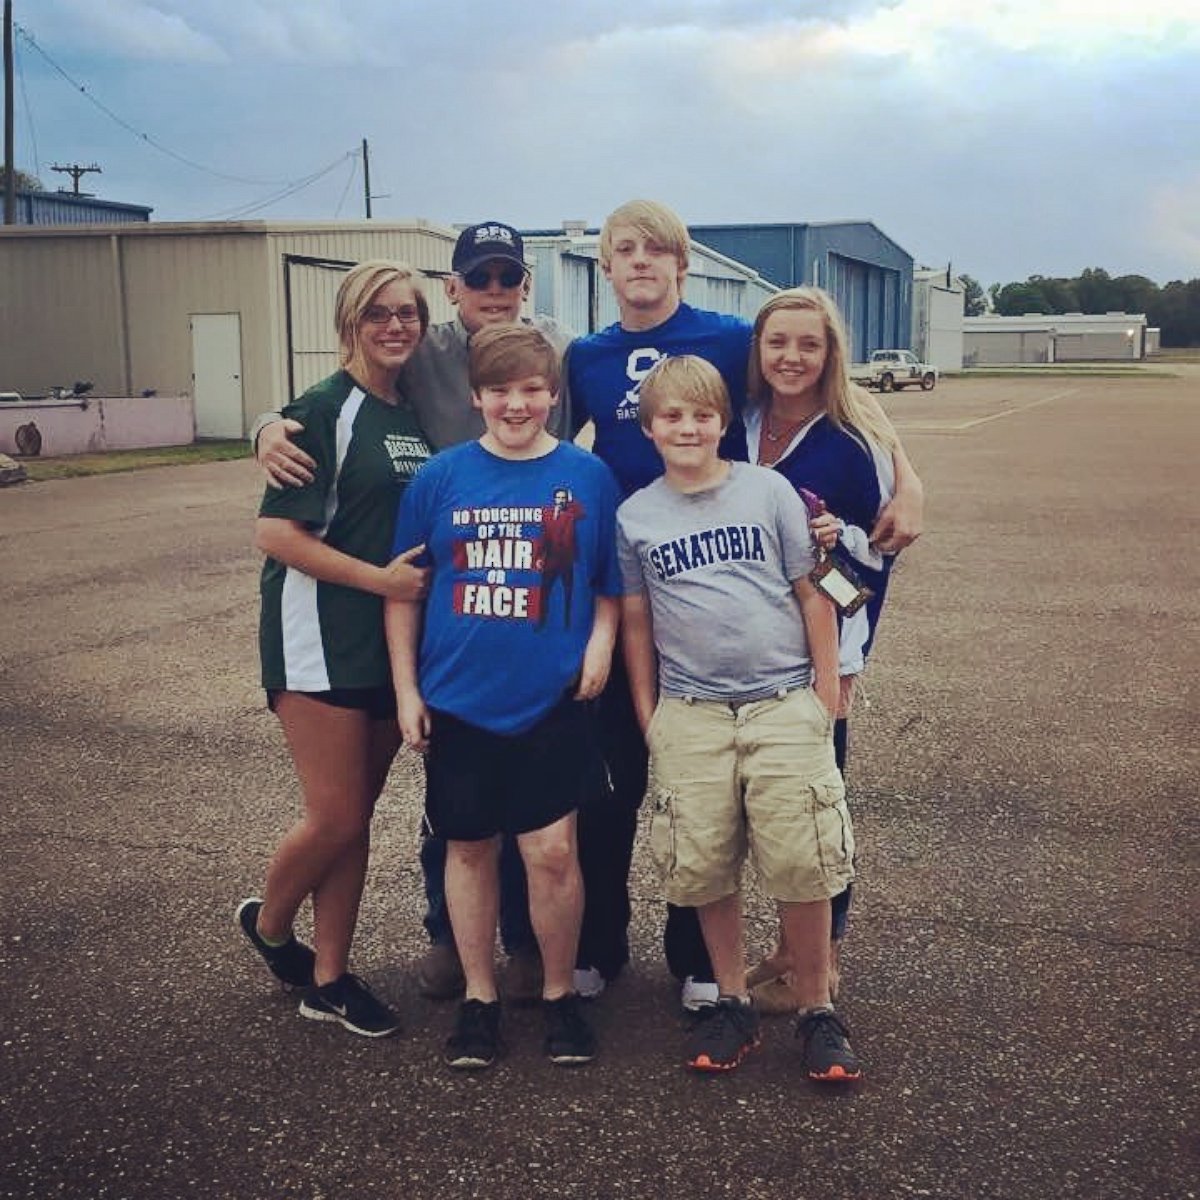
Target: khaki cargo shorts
[[761, 776]]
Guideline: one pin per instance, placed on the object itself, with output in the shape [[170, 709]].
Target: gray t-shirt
[[435, 382], [718, 567]]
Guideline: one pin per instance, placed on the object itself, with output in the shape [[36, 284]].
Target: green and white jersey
[[314, 636]]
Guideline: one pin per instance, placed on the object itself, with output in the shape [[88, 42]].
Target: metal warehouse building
[[937, 332], [867, 273], [569, 285], [240, 315], [67, 208], [1043, 338]]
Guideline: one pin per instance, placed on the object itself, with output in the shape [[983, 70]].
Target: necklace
[[788, 430]]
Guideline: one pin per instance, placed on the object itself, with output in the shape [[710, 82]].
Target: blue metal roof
[[65, 208]]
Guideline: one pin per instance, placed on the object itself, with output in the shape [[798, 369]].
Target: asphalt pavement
[[1021, 976]]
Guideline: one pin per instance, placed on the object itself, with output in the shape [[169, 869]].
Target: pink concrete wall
[[97, 423]]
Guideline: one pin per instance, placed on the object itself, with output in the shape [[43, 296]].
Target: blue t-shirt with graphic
[[519, 550], [605, 372]]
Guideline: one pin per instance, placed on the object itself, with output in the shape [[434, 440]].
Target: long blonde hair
[[844, 402]]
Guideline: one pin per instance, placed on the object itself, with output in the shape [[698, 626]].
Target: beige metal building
[[937, 318], [1049, 338], [240, 315]]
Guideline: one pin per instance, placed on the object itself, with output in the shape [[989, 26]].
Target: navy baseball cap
[[478, 244]]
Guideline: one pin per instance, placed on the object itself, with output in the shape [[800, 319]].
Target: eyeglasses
[[382, 314], [509, 276]]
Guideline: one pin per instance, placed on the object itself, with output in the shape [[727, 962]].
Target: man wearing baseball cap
[[488, 285]]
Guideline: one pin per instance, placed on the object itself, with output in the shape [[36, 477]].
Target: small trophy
[[833, 573]]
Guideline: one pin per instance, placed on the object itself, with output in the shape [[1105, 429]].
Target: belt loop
[[781, 693]]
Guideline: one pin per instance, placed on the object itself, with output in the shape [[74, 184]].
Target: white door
[[217, 374]]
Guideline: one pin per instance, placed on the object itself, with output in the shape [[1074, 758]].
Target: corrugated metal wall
[[1005, 347], [64, 295], [64, 208], [314, 345], [943, 329], [1094, 347], [167, 279], [868, 274], [61, 313]]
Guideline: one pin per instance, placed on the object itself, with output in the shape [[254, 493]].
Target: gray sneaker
[[828, 1056], [725, 1033]]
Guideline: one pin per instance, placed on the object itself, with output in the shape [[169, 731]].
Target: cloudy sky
[[1005, 136]]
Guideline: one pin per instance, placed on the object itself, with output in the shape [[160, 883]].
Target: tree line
[[1174, 309]]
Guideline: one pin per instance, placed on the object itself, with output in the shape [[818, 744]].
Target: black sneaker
[[569, 1040], [725, 1033], [827, 1053], [291, 963], [475, 1042], [350, 1002]]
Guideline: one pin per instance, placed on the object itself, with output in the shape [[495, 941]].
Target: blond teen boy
[[644, 253], [490, 676], [732, 660]]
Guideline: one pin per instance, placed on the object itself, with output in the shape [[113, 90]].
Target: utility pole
[[76, 172], [10, 171], [366, 173]]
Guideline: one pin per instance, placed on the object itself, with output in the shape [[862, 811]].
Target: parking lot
[[1021, 976]]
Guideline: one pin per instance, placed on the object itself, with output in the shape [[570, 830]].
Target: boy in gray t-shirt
[[732, 660]]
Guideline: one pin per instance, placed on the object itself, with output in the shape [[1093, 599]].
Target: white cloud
[[925, 31], [140, 30], [1173, 225]]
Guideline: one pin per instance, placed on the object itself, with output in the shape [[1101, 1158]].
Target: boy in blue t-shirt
[[491, 674]]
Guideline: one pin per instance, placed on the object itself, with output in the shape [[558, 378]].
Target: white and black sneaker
[[349, 1002], [291, 963]]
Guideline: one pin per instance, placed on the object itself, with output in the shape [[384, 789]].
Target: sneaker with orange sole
[[725, 1033], [827, 1053]]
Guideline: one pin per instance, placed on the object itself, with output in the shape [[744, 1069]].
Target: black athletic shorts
[[479, 783]]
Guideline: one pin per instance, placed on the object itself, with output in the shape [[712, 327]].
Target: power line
[[244, 210], [37, 165], [145, 137], [337, 212]]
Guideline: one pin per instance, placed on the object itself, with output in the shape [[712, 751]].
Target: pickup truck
[[891, 370]]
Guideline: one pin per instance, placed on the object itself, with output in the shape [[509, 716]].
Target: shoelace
[[824, 1025], [714, 1029]]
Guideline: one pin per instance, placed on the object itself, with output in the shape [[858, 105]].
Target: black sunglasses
[[509, 276]]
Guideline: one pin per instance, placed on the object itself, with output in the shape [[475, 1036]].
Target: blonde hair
[[686, 377], [504, 353], [357, 293], [844, 402], [652, 220]]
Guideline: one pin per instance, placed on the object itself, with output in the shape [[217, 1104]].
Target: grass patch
[[70, 466]]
